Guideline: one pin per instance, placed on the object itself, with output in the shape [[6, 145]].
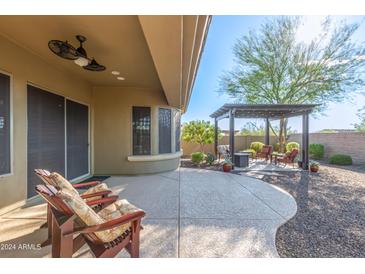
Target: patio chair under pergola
[[267, 112]]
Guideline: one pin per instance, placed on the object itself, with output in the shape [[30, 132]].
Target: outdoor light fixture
[[82, 61], [79, 56]]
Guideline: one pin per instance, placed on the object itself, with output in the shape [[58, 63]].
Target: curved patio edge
[[287, 212], [244, 211]]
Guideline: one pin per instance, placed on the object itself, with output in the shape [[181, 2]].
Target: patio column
[[216, 137], [231, 133], [305, 142], [267, 131]]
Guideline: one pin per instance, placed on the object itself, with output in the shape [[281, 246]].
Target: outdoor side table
[[241, 159]]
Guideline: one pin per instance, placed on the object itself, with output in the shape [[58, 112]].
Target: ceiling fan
[[79, 56]]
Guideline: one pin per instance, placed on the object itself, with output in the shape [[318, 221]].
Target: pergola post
[[267, 131], [305, 142], [216, 137], [231, 133]]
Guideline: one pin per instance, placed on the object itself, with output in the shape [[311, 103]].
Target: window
[[177, 130], [5, 167], [164, 130], [141, 130]]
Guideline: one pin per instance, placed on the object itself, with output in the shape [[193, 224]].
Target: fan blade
[[94, 66], [63, 49]]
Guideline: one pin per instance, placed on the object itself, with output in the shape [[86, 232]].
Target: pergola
[[267, 112]]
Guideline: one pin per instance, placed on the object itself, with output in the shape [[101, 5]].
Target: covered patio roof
[[270, 111]]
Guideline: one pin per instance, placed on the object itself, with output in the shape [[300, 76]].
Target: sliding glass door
[[58, 136]]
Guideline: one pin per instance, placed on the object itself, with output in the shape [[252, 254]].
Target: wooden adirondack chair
[[124, 229], [288, 158], [265, 152], [88, 195]]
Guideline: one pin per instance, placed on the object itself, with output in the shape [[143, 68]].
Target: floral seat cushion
[[95, 189], [59, 182], [90, 217], [117, 209]]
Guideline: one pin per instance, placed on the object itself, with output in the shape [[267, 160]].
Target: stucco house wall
[[26, 68]]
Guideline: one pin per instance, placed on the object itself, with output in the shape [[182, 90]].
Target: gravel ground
[[184, 162], [330, 221]]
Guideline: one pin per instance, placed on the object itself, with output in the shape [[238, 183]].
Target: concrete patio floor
[[189, 213]]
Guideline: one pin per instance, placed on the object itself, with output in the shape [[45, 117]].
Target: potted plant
[[313, 166], [227, 164]]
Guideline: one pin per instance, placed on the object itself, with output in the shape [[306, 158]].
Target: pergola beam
[[263, 111], [223, 116]]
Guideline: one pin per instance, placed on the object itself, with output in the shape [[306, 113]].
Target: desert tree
[[361, 125], [274, 67]]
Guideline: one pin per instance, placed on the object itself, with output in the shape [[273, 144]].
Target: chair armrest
[[110, 199], [100, 193], [127, 218], [283, 158], [86, 184]]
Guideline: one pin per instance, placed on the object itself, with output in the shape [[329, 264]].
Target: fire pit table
[[241, 159]]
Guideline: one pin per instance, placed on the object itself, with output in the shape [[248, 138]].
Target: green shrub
[[256, 146], [210, 158], [197, 157], [277, 147], [291, 145], [250, 150], [316, 151], [340, 159]]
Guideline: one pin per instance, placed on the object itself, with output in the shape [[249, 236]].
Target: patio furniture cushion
[[95, 189], [117, 209], [60, 182], [223, 149], [90, 217]]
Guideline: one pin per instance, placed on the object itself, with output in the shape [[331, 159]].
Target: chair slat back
[[267, 150], [48, 193], [43, 174], [293, 154]]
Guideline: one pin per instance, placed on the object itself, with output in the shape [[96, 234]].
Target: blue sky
[[218, 57]]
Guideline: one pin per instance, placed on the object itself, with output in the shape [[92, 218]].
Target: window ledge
[[151, 158]]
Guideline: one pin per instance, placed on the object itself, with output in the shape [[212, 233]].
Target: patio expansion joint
[[167, 177], [230, 218], [257, 197], [160, 218], [179, 215]]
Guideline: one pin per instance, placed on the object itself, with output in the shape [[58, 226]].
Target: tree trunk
[[282, 134], [202, 147]]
